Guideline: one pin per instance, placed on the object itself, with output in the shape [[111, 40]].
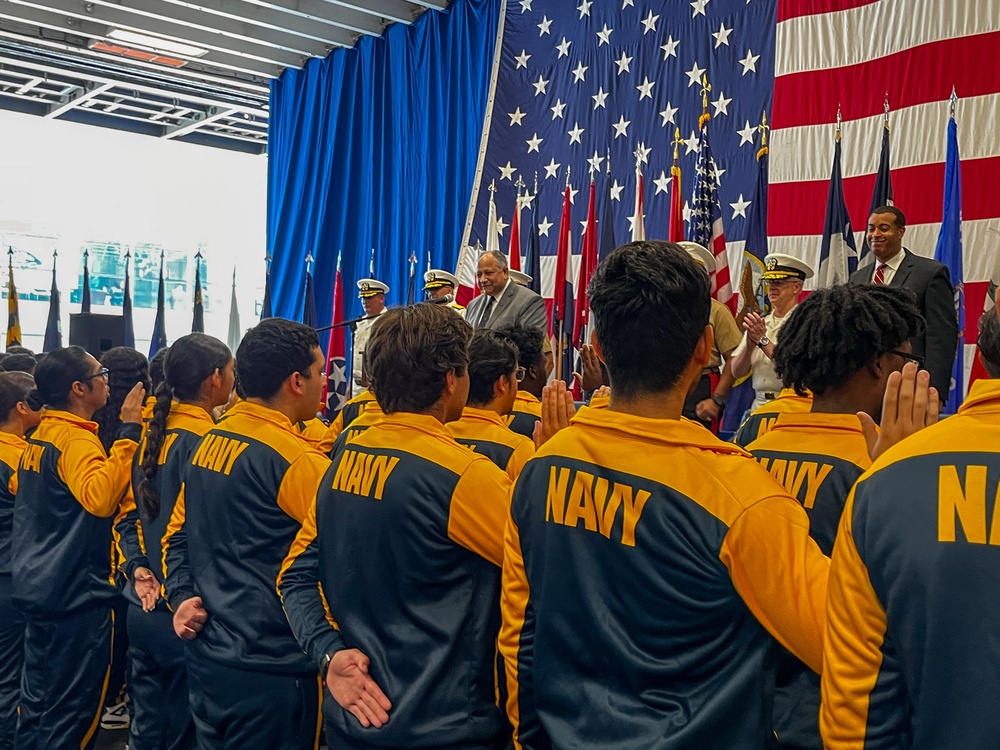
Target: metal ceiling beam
[[430, 4], [225, 17], [260, 61], [77, 98], [131, 86], [293, 16], [188, 75], [394, 11], [193, 123]]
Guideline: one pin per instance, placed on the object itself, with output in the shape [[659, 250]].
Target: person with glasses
[[818, 455], [527, 409], [910, 654], [69, 488], [493, 383], [784, 276]]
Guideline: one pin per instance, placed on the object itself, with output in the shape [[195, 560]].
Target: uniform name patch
[[218, 453], [363, 473], [576, 497]]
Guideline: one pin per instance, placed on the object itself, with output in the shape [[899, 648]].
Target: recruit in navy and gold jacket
[[485, 432], [354, 408], [763, 417], [68, 492], [910, 654], [526, 412], [408, 554], [645, 564], [246, 491], [818, 458], [11, 448], [141, 536]]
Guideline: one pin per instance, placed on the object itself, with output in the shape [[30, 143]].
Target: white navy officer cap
[[700, 254], [436, 278], [519, 277], [778, 266], [371, 287]]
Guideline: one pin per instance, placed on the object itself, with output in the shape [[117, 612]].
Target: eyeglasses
[[910, 356], [102, 373], [519, 374]]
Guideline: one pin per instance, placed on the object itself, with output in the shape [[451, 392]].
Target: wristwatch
[[324, 665], [764, 341], [720, 401]]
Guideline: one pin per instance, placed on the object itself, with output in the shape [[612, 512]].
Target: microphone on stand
[[445, 300]]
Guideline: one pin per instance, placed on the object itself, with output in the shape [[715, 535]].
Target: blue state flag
[[949, 252], [839, 248]]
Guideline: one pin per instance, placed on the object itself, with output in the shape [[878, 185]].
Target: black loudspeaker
[[96, 333]]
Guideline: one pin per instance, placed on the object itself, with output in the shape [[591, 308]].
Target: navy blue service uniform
[[11, 620], [762, 419], [910, 657], [247, 489], [407, 559], [486, 433], [647, 565], [161, 718], [818, 458], [68, 492], [526, 412]]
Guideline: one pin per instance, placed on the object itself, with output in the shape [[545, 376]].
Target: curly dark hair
[[126, 367], [492, 355], [186, 365], [651, 304], [270, 353], [410, 352], [837, 331]]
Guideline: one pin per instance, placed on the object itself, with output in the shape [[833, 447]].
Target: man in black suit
[[928, 279]]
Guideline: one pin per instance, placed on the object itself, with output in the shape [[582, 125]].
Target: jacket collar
[[677, 432], [482, 415], [59, 415], [264, 413], [984, 396], [11, 439]]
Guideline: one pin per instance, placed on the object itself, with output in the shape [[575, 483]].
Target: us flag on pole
[[582, 82]]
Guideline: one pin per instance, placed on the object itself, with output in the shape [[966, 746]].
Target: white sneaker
[[116, 716]]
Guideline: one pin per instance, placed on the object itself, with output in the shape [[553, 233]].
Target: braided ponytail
[[147, 498]]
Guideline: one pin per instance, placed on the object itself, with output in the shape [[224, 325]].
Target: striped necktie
[[879, 278]]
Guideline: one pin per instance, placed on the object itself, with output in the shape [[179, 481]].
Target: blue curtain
[[376, 147]]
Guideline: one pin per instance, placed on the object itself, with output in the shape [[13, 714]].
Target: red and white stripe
[[851, 54]]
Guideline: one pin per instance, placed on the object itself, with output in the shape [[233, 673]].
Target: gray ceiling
[[55, 61]]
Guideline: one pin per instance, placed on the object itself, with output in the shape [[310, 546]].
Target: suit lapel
[[903, 272], [504, 303]]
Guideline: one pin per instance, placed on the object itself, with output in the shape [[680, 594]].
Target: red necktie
[[879, 278]]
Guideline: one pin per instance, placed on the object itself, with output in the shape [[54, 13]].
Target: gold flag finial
[[677, 142], [952, 103], [839, 122], [705, 116]]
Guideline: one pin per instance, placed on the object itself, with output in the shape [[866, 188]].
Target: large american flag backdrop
[[579, 80]]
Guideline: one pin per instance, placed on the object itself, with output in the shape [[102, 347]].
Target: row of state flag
[[838, 259], [158, 340]]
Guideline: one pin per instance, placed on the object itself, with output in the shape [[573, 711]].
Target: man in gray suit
[[503, 302], [927, 279]]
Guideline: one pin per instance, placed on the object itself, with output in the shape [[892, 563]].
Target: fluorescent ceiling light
[[157, 43]]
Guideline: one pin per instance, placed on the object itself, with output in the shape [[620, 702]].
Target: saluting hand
[[909, 405], [132, 406], [351, 686], [557, 408], [190, 618], [147, 588], [591, 377]]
